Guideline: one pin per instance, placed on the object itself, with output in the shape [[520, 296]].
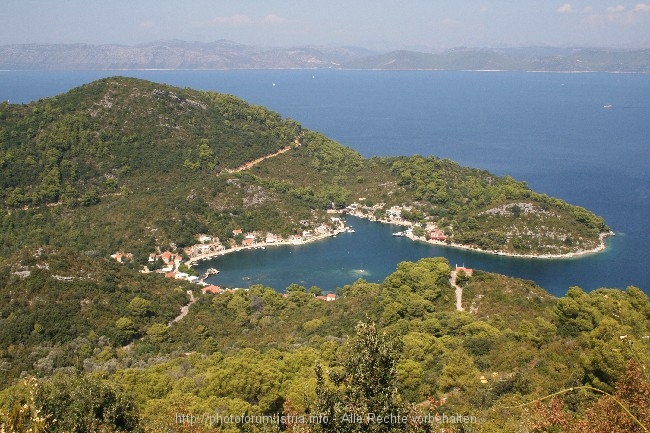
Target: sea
[[582, 137]]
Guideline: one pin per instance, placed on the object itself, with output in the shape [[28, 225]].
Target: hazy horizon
[[378, 25]]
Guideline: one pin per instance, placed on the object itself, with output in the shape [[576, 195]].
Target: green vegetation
[[88, 344], [123, 164], [60, 307], [395, 346]]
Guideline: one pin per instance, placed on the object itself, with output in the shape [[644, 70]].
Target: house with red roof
[[212, 289], [118, 257], [468, 271], [437, 235]]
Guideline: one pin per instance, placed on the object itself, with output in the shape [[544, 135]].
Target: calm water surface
[[550, 130]]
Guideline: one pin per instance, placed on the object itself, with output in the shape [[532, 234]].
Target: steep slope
[[122, 158]]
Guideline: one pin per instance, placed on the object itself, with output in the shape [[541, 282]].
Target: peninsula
[[127, 165], [89, 343]]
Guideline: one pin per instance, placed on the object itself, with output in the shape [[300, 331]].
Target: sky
[[427, 25]]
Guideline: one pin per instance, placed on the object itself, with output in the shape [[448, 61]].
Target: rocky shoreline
[[317, 237], [601, 247]]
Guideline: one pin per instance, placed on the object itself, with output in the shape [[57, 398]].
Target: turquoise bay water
[[371, 253], [550, 130]]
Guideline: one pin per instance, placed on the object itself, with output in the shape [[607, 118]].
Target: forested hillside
[[396, 346], [91, 344], [125, 164]]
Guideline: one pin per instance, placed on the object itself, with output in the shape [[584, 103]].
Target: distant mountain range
[[230, 55]]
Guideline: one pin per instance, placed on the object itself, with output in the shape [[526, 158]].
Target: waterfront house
[[437, 235], [212, 289], [467, 271], [322, 229]]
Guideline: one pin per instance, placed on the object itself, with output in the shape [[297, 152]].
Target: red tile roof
[[211, 289]]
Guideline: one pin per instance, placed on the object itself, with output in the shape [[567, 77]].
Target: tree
[[140, 307], [157, 332], [71, 404], [126, 328], [572, 313], [365, 387]]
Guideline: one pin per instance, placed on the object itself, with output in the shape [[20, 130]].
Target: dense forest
[[517, 359], [88, 344]]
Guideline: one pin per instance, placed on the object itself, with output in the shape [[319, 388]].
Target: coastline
[[577, 254], [283, 242], [601, 247]]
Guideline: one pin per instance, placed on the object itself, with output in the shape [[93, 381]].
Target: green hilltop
[[88, 344], [123, 164]]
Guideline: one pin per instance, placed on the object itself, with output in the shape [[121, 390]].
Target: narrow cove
[[370, 253]]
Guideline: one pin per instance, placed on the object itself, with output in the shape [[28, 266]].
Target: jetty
[[209, 272]]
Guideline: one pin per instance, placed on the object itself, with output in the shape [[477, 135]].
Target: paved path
[[184, 309], [459, 291]]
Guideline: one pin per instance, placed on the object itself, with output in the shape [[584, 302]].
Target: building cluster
[[393, 215], [169, 263], [171, 266]]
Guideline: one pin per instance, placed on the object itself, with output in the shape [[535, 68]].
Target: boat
[[608, 106], [399, 234]]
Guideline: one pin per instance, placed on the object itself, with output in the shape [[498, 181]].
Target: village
[[430, 232], [178, 265]]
